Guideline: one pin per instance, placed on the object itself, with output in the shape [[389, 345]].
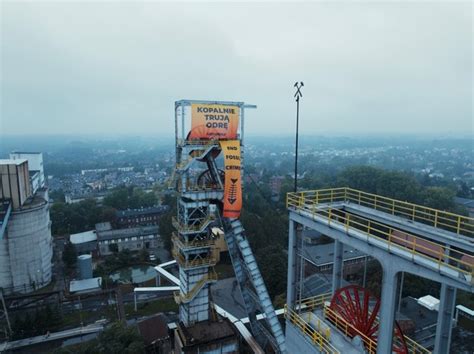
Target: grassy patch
[[87, 317], [151, 307]]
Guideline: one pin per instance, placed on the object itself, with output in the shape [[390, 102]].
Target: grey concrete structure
[[25, 243], [445, 319], [337, 267], [396, 255], [26, 249], [84, 265]]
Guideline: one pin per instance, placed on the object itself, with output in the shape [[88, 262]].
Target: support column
[[337, 265], [158, 280], [387, 310], [291, 286], [447, 304], [135, 300]]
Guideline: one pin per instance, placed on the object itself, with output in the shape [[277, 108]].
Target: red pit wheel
[[360, 308]]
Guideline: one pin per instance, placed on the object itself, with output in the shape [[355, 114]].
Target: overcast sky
[[117, 67]]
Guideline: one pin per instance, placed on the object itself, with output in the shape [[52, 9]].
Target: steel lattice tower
[[200, 184]]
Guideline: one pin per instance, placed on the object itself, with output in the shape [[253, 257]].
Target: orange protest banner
[[214, 121], [233, 183]]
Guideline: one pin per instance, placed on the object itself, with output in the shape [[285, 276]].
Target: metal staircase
[[211, 277]]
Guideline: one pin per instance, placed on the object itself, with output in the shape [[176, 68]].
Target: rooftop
[[129, 232], [27, 152], [464, 201], [142, 211], [154, 328], [83, 237], [103, 226], [430, 302], [85, 285], [206, 332], [12, 162], [323, 254]]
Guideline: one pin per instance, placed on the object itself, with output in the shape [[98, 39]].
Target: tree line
[[82, 216]]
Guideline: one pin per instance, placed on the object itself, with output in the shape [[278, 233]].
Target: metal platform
[[403, 237]]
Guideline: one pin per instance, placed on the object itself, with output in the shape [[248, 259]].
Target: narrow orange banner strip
[[233, 183]]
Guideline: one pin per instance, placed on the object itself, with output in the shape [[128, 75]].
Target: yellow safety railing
[[182, 142], [196, 262], [318, 339], [417, 246], [182, 243], [455, 223], [311, 303], [414, 347], [210, 277], [197, 188], [349, 330], [370, 344], [190, 228], [319, 301]]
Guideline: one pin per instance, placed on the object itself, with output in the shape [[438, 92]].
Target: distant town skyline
[[116, 68]]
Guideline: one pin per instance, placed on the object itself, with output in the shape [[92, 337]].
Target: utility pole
[[297, 96]]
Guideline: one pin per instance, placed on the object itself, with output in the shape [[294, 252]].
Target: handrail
[[191, 228], [460, 261], [458, 224], [319, 301], [191, 263], [370, 344], [182, 142], [414, 347], [311, 303], [349, 330], [210, 277], [191, 244], [317, 338], [197, 188], [310, 201]]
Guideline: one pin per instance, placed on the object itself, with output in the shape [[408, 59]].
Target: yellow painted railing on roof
[[318, 339], [313, 302], [323, 203], [455, 223]]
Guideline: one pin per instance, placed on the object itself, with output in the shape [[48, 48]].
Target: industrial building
[[25, 227], [140, 217], [133, 239], [104, 240]]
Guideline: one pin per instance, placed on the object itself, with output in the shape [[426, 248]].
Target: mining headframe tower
[[209, 138]]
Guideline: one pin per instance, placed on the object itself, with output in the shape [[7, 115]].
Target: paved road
[[50, 337]]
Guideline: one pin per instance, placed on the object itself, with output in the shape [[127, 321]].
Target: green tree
[[272, 261], [118, 338], [70, 256], [130, 198], [439, 198]]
